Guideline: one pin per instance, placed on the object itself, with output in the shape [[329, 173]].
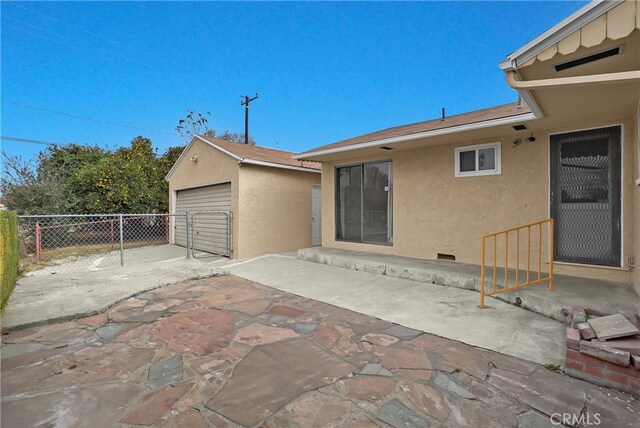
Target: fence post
[[121, 243], [186, 224], [111, 234], [38, 242]]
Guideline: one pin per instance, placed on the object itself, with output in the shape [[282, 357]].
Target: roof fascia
[[426, 134], [278, 165], [558, 32]]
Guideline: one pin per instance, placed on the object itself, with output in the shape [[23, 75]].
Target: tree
[[73, 179], [27, 191], [196, 124], [193, 124], [129, 180]]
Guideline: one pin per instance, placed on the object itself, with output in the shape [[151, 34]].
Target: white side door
[[316, 212]]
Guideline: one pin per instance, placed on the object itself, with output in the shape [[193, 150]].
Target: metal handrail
[[539, 279]]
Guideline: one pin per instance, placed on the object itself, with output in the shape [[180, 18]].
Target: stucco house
[[568, 150], [243, 200]]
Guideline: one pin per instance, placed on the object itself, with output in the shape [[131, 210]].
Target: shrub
[[8, 255]]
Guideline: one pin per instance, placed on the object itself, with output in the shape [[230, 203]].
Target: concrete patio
[[445, 311], [46, 297], [605, 296], [226, 352]]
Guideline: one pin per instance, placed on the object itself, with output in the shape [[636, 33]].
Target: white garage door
[[207, 207]]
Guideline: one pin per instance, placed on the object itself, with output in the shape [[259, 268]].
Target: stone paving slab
[[210, 362]]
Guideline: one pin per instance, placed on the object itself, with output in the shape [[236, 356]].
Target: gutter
[[607, 78], [558, 32], [426, 134], [277, 165]]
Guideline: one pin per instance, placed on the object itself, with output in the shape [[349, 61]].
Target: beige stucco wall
[[275, 208], [213, 167], [636, 200], [434, 212]]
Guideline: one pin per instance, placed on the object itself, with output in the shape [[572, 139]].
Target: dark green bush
[[8, 255]]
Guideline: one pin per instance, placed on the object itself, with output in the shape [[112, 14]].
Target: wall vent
[[442, 256], [520, 127], [589, 58], [386, 148]]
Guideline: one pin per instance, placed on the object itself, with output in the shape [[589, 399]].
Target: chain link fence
[[62, 243]]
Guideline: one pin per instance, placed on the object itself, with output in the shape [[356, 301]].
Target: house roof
[[456, 123], [253, 155], [558, 32]]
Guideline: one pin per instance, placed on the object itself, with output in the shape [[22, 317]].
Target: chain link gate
[[209, 233]]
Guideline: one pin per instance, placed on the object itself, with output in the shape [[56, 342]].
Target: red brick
[[575, 365], [573, 338], [629, 371], [594, 371], [579, 315], [616, 377], [635, 384], [585, 330], [602, 351], [635, 361], [577, 356]]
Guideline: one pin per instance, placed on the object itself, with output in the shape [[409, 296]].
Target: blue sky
[[324, 71]]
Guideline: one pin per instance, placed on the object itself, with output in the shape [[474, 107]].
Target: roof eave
[[558, 32], [278, 165], [419, 135]]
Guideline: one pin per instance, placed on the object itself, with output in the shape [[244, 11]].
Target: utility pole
[[245, 103]]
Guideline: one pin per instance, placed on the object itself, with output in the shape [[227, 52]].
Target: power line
[[73, 45], [29, 141], [95, 34], [75, 116]]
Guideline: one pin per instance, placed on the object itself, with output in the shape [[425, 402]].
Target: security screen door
[[364, 203], [585, 196]]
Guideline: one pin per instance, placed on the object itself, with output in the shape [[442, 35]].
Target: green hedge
[[8, 255]]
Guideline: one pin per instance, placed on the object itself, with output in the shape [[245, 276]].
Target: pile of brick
[[604, 349]]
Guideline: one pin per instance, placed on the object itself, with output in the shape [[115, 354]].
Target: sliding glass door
[[364, 203]]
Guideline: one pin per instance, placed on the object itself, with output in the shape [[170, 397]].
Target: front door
[[316, 219], [585, 196]]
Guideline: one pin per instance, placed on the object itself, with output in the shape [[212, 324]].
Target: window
[[364, 203], [482, 159]]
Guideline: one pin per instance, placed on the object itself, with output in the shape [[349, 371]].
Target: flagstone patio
[[227, 352]]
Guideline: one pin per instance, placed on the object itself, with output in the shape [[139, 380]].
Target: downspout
[[608, 78]]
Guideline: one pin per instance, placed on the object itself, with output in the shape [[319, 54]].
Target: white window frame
[[476, 147]]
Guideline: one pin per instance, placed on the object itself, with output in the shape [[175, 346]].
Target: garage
[[209, 209], [266, 193]]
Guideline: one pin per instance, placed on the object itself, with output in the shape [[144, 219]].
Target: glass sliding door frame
[[339, 226]]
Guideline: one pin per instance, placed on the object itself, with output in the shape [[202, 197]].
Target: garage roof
[[253, 155]]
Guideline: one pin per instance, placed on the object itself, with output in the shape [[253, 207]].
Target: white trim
[[622, 188], [278, 165], [558, 32], [477, 172], [426, 134], [210, 183]]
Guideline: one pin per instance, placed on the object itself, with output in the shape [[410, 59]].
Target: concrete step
[[553, 304]]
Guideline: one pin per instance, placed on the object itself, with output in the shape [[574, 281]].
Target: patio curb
[[450, 274]]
